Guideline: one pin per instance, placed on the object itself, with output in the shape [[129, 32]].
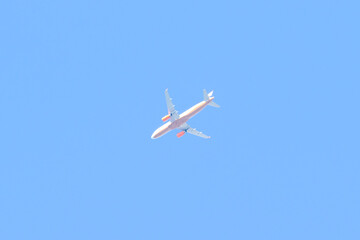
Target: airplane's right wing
[[171, 107], [193, 131]]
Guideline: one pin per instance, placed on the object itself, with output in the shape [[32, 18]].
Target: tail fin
[[207, 97]]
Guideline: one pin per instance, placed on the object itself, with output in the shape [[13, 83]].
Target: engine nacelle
[[180, 134], [167, 117]]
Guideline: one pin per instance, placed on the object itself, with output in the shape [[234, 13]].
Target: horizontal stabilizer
[[213, 104]]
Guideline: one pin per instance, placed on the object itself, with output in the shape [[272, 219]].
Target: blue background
[[82, 90]]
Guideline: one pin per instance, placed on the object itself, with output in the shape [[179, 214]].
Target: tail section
[[207, 97]]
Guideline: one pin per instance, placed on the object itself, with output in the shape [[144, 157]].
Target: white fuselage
[[184, 117]]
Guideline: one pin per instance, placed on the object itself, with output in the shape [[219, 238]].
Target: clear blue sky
[[82, 89]]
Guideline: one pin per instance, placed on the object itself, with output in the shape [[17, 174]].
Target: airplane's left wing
[[185, 127], [171, 107]]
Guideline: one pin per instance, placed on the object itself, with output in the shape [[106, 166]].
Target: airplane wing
[[185, 127], [171, 107]]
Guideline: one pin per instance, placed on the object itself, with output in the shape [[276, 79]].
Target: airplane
[[179, 121]]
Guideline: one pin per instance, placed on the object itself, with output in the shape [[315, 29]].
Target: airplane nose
[[153, 136], [156, 134]]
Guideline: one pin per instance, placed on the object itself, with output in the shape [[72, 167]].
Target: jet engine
[[180, 134], [166, 118]]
